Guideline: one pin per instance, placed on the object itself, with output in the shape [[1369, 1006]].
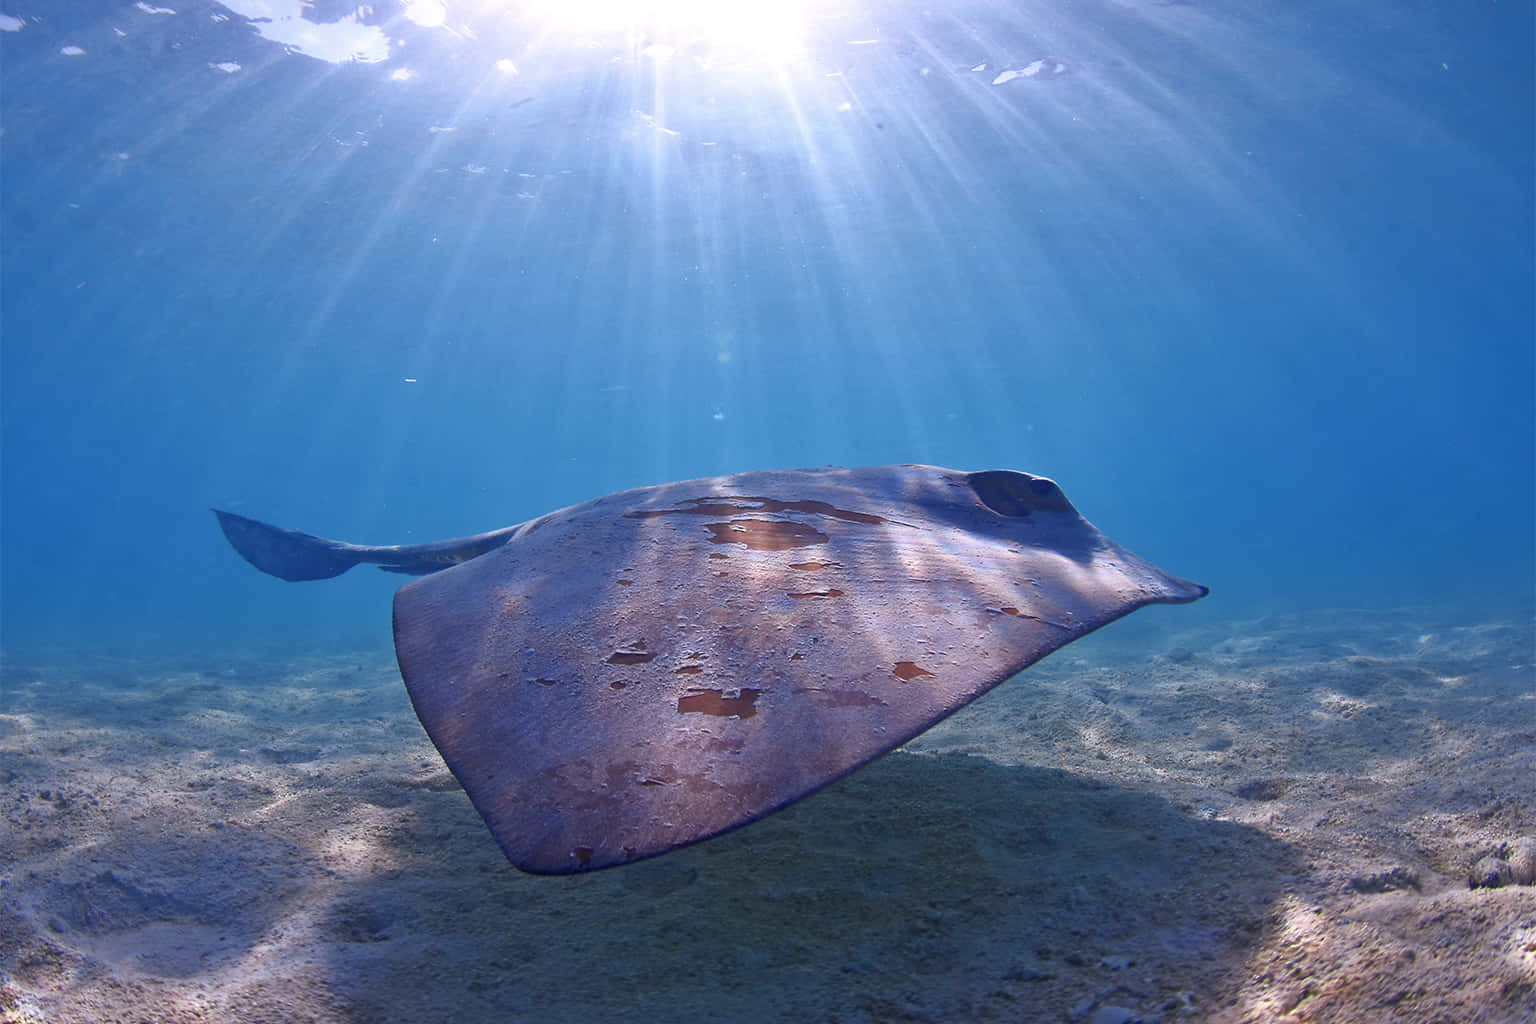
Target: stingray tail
[[288, 554]]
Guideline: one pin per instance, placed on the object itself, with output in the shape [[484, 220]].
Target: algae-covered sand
[[1260, 821]]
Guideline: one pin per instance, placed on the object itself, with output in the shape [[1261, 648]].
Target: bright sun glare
[[769, 27]]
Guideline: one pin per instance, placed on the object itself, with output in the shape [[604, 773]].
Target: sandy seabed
[[1273, 820]]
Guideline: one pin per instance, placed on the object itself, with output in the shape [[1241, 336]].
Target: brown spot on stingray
[[624, 583], [815, 566], [907, 671], [765, 534], [715, 702], [688, 670]]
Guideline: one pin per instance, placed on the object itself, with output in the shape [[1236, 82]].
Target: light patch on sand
[[360, 848], [1335, 703], [216, 718], [267, 810]]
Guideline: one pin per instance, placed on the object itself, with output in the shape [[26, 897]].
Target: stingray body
[[655, 667]]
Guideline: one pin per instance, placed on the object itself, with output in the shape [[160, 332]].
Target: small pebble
[[1490, 873]]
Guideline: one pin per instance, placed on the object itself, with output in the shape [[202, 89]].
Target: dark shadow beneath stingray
[[935, 887]]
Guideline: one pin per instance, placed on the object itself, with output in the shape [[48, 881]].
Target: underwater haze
[[1251, 280], [1253, 283]]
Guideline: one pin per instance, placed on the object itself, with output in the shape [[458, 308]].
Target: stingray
[[620, 678]]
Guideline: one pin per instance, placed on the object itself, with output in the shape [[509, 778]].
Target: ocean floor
[[1275, 820]]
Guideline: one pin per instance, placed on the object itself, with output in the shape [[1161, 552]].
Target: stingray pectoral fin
[[288, 554]]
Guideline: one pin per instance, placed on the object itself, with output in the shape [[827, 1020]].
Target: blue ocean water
[[1253, 282]]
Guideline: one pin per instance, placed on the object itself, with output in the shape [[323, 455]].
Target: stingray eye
[[1015, 494]]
